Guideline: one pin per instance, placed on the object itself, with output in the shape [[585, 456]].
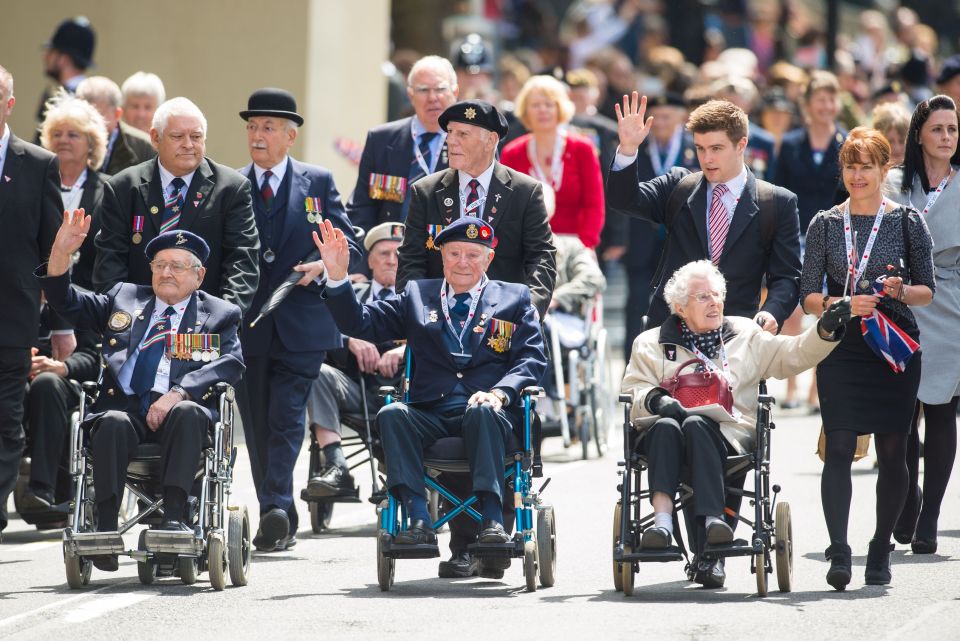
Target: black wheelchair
[[220, 543], [771, 529], [535, 530]]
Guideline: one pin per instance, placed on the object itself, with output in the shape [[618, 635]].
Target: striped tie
[[719, 223], [266, 191], [474, 195], [172, 205], [151, 351], [416, 171]]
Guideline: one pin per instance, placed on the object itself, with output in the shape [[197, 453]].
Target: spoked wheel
[[146, 570], [386, 566], [547, 545], [320, 514], [760, 561], [239, 548], [617, 517], [189, 569], [78, 570], [783, 533], [217, 561], [530, 565], [626, 573]]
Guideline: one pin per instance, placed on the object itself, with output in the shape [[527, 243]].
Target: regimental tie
[[266, 191], [461, 308], [474, 195], [173, 205], [385, 294], [416, 171], [145, 369], [719, 223]]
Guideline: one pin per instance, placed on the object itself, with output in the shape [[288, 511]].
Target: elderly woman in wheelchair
[[671, 429]]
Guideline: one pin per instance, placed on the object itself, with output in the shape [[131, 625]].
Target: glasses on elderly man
[[177, 269], [423, 90], [704, 297]]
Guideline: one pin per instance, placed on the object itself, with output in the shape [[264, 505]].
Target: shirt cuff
[[333, 284], [622, 161], [61, 332]]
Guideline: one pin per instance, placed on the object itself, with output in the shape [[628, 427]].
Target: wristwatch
[[502, 396], [182, 392], [826, 300]]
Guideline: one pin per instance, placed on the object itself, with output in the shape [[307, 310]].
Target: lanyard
[[711, 366], [673, 152], [932, 198], [862, 263], [556, 160], [475, 300], [427, 170], [477, 206]]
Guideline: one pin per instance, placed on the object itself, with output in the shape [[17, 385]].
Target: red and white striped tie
[[719, 222]]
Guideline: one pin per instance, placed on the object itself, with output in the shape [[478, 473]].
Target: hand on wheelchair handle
[[669, 407], [836, 315]]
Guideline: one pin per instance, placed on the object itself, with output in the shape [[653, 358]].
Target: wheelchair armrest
[[534, 391], [386, 390], [625, 398], [89, 387]]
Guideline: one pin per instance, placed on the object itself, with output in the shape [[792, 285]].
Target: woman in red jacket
[[559, 159]]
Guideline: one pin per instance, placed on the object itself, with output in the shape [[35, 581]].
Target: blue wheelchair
[[535, 533]]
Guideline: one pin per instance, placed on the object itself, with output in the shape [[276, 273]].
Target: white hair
[[6, 84], [100, 90], [144, 84], [677, 289], [436, 63], [179, 106]]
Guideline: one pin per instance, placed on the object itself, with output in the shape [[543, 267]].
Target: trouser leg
[[14, 368], [485, 434], [114, 441], [405, 432], [251, 395], [705, 454], [663, 445], [50, 401], [182, 436]]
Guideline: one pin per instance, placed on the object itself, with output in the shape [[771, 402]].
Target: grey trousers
[[332, 395]]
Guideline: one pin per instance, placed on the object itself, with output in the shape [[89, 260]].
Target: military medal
[[269, 256], [385, 187], [498, 343], [119, 321], [137, 230], [432, 232], [154, 210], [500, 335], [312, 206]]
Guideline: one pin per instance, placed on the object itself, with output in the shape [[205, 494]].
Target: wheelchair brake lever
[[545, 484]]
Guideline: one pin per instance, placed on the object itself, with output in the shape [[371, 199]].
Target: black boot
[[878, 563], [903, 531], [838, 576]]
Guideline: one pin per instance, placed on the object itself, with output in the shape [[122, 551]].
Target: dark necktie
[[416, 171], [461, 307], [474, 195], [172, 205], [145, 369], [266, 191], [384, 294]]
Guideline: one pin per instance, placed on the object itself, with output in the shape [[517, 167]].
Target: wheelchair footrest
[[93, 543], [507, 550], [739, 547], [665, 555], [343, 498], [158, 541], [420, 551]]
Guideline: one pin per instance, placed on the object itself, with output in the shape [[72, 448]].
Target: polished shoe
[[922, 545], [655, 538], [174, 526], [710, 574], [331, 482], [878, 563], [493, 568], [35, 502], [418, 533], [719, 533], [105, 562], [841, 571], [274, 525], [461, 565], [492, 532], [903, 531]]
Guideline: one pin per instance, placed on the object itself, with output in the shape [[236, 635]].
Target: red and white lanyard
[[710, 366], [427, 169], [932, 198], [862, 263], [556, 161], [445, 306]]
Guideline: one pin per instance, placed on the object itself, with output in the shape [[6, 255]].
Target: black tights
[[836, 487], [939, 451]]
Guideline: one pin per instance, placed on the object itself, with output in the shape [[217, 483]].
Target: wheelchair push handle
[[534, 391], [386, 390]]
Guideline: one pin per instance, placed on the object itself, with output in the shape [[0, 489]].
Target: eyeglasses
[[177, 269], [704, 297], [439, 90]]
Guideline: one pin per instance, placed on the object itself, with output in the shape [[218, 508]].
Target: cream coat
[[753, 355]]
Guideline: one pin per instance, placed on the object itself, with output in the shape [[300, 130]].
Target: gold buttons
[[111, 392], [113, 342]]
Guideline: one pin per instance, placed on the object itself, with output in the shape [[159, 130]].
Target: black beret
[[178, 239], [950, 68], [477, 113], [467, 229], [272, 102]]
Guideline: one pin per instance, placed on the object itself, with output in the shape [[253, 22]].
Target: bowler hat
[[272, 102]]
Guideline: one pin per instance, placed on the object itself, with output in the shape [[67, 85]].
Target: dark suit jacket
[[294, 243], [30, 215], [82, 273], [744, 262], [602, 132], [437, 374], [205, 314], [388, 151], [218, 208], [131, 148], [84, 363], [514, 208], [816, 186], [761, 155], [346, 362]]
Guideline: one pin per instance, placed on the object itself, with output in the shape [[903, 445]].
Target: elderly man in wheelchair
[[166, 348], [681, 442], [475, 345]]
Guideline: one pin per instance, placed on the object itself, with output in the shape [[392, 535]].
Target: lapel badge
[[6, 178], [196, 203], [119, 321], [448, 202], [432, 316], [449, 220], [154, 210], [199, 195], [496, 197]]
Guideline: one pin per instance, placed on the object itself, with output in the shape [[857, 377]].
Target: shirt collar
[[376, 287], [179, 308], [474, 290], [166, 178], [278, 171], [483, 179], [418, 129], [735, 184], [72, 83]]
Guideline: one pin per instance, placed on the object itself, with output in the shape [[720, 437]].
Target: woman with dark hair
[[928, 182], [865, 385]]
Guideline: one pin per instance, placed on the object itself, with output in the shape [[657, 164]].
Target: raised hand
[[631, 126], [70, 236], [334, 250]]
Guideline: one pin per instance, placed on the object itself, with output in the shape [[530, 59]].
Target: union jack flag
[[888, 341]]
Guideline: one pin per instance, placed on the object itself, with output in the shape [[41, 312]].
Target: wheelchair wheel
[[320, 514], [547, 546], [598, 420], [783, 531], [146, 570], [386, 567], [239, 547], [78, 570], [761, 562], [217, 561], [189, 569], [626, 573], [617, 519], [530, 565]]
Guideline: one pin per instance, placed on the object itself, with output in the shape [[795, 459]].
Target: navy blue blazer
[[816, 186], [416, 316], [761, 153], [388, 151], [301, 321], [205, 314]]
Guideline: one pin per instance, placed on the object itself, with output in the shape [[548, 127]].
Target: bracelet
[[902, 294]]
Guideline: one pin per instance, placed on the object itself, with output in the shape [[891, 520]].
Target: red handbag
[[699, 388]]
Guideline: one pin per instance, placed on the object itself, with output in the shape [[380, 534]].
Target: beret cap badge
[[470, 113]]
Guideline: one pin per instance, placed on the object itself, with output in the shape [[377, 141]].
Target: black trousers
[[14, 369], [50, 400], [117, 434]]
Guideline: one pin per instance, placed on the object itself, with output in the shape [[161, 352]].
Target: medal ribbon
[[932, 198], [848, 241], [475, 300], [556, 160]]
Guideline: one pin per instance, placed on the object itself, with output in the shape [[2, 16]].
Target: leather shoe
[[461, 565], [418, 533], [274, 525], [492, 568], [35, 502], [105, 562], [655, 538], [331, 482], [492, 532], [719, 533], [710, 574]]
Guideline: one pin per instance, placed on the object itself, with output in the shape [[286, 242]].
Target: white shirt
[[71, 198], [4, 144], [482, 189], [161, 383], [278, 172], [166, 178], [730, 199]]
